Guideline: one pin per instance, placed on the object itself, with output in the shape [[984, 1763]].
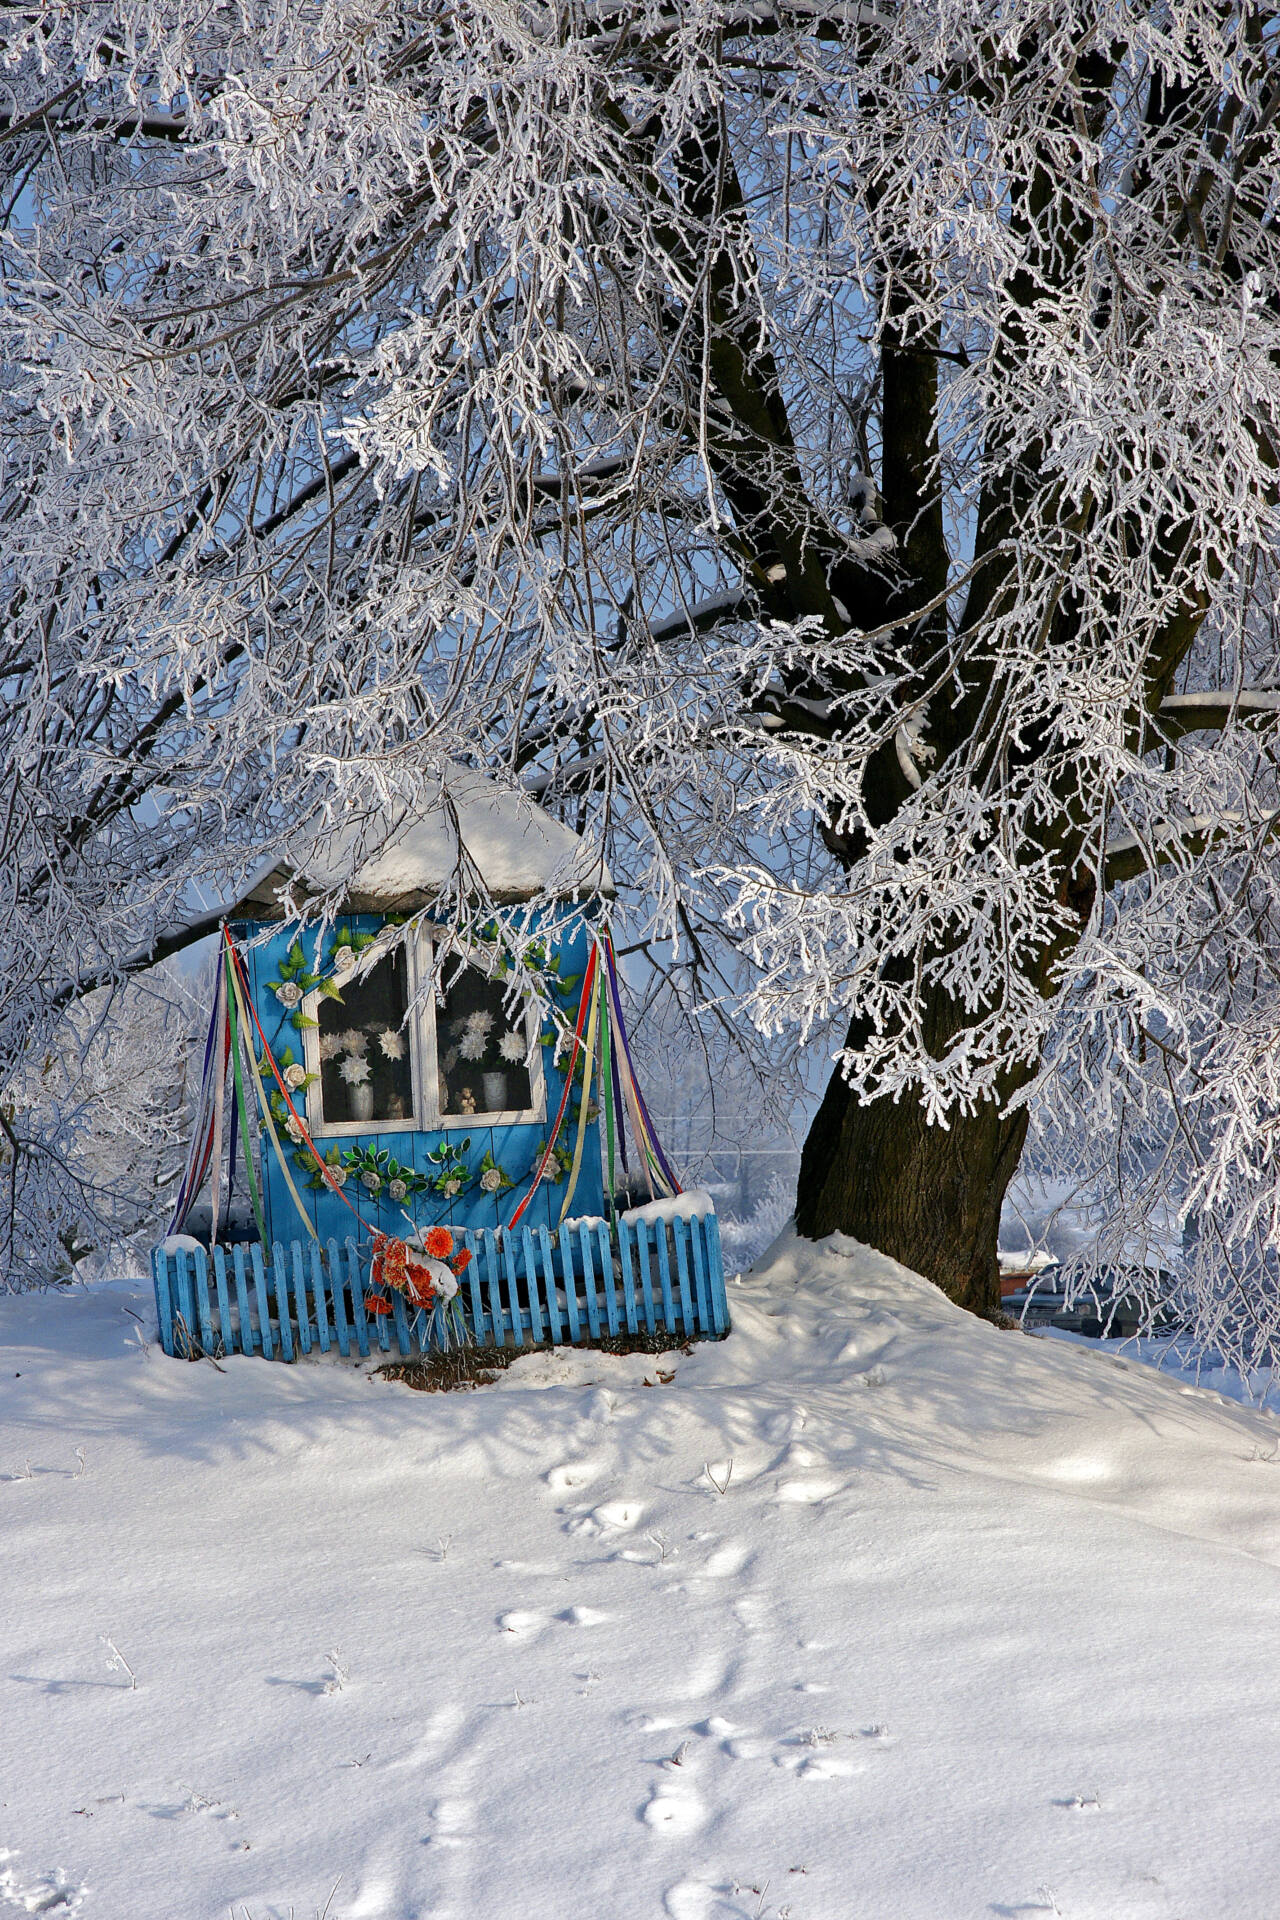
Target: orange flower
[[438, 1243], [421, 1290], [375, 1304]]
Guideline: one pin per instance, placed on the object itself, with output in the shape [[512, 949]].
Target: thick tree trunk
[[929, 1197]]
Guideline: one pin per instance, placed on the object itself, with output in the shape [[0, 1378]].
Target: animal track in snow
[[524, 1622], [615, 1516], [806, 1493], [573, 1474], [673, 1811], [725, 1562], [48, 1893], [449, 1821]]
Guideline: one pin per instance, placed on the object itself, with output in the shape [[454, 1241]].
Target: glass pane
[[481, 1048], [366, 1067]]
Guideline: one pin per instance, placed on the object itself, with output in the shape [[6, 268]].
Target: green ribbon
[[246, 1136]]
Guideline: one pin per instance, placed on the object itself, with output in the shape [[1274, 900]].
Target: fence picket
[[583, 1237], [355, 1290], [504, 1250], [224, 1300], [284, 1318], [530, 1262], [646, 1279], [549, 1284], [497, 1315], [564, 1242], [164, 1298], [605, 1249], [680, 1232], [338, 1293], [664, 1276], [628, 1277], [715, 1264], [264, 1311], [317, 1294], [700, 1275], [400, 1314], [200, 1287], [300, 1299], [243, 1311], [471, 1273]]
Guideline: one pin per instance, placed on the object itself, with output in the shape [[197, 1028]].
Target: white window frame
[[424, 1079]]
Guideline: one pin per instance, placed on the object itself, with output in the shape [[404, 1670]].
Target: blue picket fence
[[578, 1285]]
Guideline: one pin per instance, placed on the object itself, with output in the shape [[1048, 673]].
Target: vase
[[495, 1092], [362, 1102]]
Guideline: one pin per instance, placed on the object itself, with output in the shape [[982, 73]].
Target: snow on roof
[[471, 835]]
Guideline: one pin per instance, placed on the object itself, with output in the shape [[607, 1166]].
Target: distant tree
[[831, 450]]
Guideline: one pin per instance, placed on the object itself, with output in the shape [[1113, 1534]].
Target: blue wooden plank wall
[[578, 1285]]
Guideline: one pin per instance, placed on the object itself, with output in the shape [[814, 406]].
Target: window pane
[[366, 1068], [481, 1047]]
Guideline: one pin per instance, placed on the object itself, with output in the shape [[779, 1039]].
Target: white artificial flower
[[289, 993], [354, 1069], [330, 1046], [371, 1181], [472, 1045], [354, 1040], [512, 1046], [344, 960], [491, 1180], [295, 1075], [337, 1175], [397, 1189], [293, 1130], [452, 1186], [392, 1045], [479, 1021]]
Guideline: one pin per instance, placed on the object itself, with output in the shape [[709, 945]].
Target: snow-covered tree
[[831, 449]]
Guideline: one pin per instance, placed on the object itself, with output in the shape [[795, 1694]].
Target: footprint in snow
[[807, 1492], [582, 1617], [47, 1893], [673, 1811], [573, 1474], [725, 1562], [615, 1516], [524, 1622]]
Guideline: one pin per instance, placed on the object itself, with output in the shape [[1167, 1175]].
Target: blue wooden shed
[[407, 1079]]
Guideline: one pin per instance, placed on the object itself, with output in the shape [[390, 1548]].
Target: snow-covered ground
[[870, 1613]]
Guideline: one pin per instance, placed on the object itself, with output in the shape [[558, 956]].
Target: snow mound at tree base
[[871, 1609]]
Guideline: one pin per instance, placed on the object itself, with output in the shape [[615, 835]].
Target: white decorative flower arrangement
[[512, 1046], [354, 1069]]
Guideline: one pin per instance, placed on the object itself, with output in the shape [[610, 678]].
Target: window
[[466, 1057], [481, 1050], [365, 1050]]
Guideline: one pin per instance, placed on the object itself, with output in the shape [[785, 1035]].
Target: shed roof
[[470, 835]]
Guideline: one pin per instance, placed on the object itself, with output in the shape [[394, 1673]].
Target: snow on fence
[[579, 1285]]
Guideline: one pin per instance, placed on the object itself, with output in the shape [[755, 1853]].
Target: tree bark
[[928, 1196]]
